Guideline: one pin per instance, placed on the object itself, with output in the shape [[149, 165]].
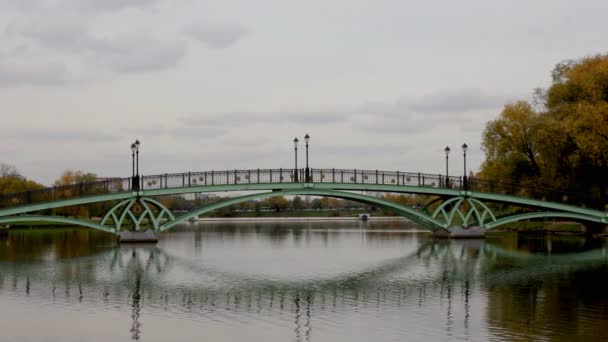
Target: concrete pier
[[459, 232], [147, 236]]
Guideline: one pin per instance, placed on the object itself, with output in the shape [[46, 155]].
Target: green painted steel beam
[[528, 216], [292, 186], [445, 192], [524, 201], [54, 219], [66, 203], [417, 216]]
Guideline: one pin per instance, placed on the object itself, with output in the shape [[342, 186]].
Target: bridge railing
[[257, 176], [62, 192]]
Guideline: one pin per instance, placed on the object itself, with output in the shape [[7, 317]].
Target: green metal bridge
[[457, 204]]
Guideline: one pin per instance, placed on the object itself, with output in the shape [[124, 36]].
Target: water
[[326, 281]]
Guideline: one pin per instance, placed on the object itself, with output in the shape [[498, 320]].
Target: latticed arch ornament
[[466, 211], [138, 213]]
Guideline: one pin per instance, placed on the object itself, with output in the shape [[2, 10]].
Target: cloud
[[217, 37], [27, 73], [82, 5], [313, 117], [452, 101], [64, 135], [59, 43], [136, 54], [108, 5], [417, 115]]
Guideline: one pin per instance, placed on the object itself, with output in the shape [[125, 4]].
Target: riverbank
[[543, 227], [298, 218]]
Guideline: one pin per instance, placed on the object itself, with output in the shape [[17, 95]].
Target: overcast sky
[[382, 84]]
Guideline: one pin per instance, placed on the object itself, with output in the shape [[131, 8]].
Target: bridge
[[461, 206]]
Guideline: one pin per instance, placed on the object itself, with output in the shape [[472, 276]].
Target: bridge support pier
[[459, 232], [144, 236]]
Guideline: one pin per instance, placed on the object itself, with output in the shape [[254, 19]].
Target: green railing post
[[270, 175], [212, 178], [355, 176], [418, 178], [397, 177], [249, 176], [280, 175], [333, 175], [189, 178], [376, 176], [234, 176], [258, 176]]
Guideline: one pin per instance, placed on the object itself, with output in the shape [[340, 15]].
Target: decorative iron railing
[[270, 176]]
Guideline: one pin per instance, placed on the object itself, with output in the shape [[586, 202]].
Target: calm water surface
[[325, 281]]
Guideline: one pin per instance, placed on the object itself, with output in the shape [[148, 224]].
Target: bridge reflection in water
[[430, 275]]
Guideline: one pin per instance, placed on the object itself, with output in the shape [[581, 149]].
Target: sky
[[382, 84]]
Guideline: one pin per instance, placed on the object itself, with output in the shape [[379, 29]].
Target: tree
[[563, 144], [7, 170], [511, 144], [277, 203], [69, 177], [12, 182]]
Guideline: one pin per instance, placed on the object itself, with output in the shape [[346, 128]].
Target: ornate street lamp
[[307, 139], [295, 171], [464, 179], [447, 177], [137, 156], [133, 148], [135, 160]]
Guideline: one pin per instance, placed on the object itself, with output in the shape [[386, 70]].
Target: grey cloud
[[408, 115], [250, 118], [137, 55], [14, 74], [62, 135], [97, 5], [108, 5], [216, 37], [415, 115], [123, 54], [459, 100]]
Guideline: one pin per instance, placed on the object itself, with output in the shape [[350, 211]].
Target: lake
[[301, 281]]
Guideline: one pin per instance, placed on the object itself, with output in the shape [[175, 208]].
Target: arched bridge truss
[[136, 209]]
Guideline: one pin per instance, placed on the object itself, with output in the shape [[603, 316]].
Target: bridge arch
[[34, 219], [410, 213], [528, 216]]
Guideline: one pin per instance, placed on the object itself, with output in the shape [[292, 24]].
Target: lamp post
[[307, 139], [135, 160], [464, 179], [295, 170], [447, 177], [133, 148]]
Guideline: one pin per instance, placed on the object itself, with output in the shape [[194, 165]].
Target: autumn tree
[[564, 143], [73, 177], [11, 181], [69, 177]]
